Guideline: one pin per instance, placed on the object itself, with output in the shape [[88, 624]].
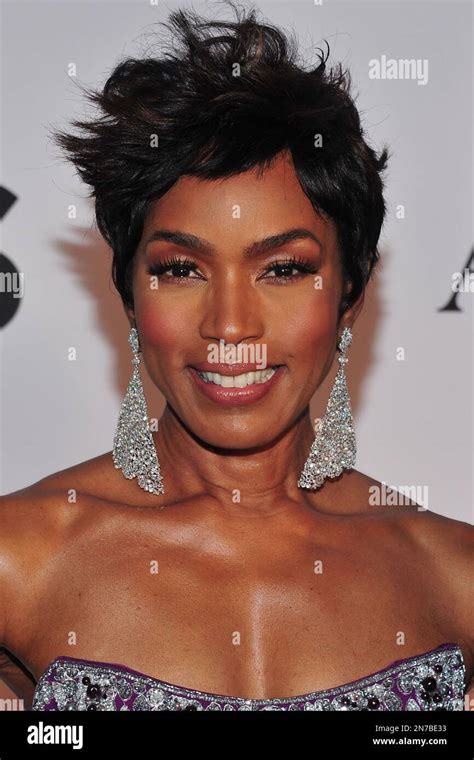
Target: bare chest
[[273, 625]]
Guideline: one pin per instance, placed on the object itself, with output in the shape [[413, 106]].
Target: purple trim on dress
[[144, 688]]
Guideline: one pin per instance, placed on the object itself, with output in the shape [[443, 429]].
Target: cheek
[[308, 330], [162, 329]]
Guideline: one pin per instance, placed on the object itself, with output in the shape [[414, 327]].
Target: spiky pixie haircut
[[220, 105]]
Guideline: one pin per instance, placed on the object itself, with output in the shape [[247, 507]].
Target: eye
[[179, 268], [285, 270]]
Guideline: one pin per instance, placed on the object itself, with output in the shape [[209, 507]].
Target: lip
[[230, 369], [235, 396]]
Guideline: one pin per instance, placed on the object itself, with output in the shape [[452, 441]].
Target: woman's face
[[229, 292]]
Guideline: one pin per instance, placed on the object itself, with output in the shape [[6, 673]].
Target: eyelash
[[294, 262]]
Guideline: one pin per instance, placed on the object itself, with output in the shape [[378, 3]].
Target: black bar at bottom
[[134, 735]]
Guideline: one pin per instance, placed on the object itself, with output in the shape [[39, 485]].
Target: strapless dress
[[433, 680]]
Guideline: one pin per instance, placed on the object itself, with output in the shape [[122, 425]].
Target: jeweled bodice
[[433, 680]]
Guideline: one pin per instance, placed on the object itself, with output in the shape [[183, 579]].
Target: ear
[[130, 314], [351, 314]]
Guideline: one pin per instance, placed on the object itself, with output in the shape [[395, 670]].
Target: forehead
[[265, 202]]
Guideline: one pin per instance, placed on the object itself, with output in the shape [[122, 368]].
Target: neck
[[259, 481]]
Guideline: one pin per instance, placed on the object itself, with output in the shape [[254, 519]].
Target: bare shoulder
[[405, 512], [446, 539], [95, 477], [442, 545], [29, 526], [34, 523], [445, 542], [442, 548], [448, 544]]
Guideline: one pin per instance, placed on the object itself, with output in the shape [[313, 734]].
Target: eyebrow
[[194, 243]]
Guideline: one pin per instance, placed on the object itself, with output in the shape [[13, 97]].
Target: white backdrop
[[413, 418]]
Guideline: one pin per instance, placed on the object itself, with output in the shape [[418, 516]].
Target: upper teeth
[[238, 381]]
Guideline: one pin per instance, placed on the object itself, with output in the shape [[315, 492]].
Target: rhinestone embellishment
[[430, 681], [334, 447], [134, 450]]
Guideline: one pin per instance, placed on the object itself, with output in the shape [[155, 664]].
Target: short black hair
[[217, 105]]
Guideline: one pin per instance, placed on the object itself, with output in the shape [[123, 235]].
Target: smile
[[238, 381], [236, 390]]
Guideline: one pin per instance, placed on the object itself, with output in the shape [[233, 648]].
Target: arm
[[14, 675], [448, 545], [462, 552], [12, 672], [5, 566], [454, 551], [470, 696]]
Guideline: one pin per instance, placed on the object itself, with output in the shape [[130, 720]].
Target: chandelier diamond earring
[[334, 447], [134, 450]]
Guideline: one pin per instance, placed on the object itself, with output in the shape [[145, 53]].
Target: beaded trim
[[433, 680]]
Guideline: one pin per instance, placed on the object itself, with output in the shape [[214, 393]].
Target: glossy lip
[[235, 396]]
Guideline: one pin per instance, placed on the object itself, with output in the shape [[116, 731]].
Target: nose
[[231, 310]]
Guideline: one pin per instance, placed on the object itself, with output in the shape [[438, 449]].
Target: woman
[[232, 558]]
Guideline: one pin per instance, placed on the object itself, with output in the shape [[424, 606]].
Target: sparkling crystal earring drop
[[134, 450], [334, 447]]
